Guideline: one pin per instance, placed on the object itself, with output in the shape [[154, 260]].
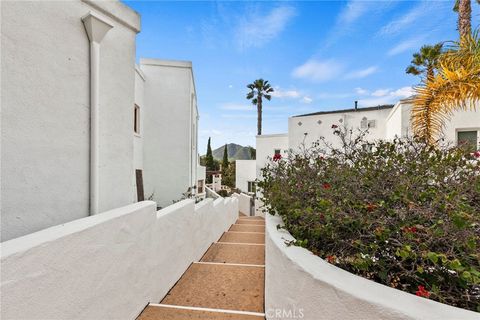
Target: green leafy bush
[[402, 213]]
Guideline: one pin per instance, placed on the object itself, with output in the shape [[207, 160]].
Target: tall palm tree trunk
[[464, 18], [259, 116]]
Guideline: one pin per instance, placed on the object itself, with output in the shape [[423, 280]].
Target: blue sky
[[318, 55]]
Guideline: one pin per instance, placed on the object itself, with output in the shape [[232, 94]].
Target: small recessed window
[[136, 119], [277, 151], [252, 187], [467, 138]]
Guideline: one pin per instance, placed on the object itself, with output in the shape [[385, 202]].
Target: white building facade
[[245, 175], [382, 122], [79, 118], [169, 130]]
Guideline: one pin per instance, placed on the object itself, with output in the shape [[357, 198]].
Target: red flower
[[476, 154], [421, 292], [277, 157], [334, 126], [410, 229], [331, 259], [327, 185]]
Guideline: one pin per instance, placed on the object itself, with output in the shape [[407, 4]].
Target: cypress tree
[[209, 163], [225, 159]]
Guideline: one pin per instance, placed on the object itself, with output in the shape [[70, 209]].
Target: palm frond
[[455, 87]]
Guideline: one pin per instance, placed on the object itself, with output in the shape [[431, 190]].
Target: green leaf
[[467, 276], [432, 256]]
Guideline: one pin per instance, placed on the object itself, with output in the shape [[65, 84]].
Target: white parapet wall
[[301, 285], [108, 266], [244, 203]]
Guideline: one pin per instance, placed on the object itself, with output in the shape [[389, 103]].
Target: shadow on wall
[[108, 265]]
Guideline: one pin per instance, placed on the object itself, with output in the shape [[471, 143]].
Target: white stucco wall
[[244, 204], [298, 281], [266, 145], [169, 130], [108, 266], [137, 137], [245, 171], [398, 123], [45, 112], [315, 130]]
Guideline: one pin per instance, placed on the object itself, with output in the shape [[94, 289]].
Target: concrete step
[[243, 237], [235, 253], [168, 312], [251, 217], [247, 228], [220, 286], [250, 221]]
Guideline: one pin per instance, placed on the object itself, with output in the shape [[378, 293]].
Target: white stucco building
[[246, 175], [382, 122], [169, 131], [81, 123]]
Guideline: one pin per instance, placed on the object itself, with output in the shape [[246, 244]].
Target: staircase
[[227, 283]]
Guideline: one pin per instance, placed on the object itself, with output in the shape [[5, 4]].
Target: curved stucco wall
[[108, 266], [299, 283]]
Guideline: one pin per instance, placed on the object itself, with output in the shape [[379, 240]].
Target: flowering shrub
[[402, 213]]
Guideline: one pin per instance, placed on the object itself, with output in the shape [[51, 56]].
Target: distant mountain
[[234, 151]]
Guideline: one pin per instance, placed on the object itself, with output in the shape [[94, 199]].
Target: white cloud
[[386, 96], [236, 107], [397, 25], [279, 93], [362, 73], [307, 100], [316, 70], [380, 92], [413, 43], [259, 28], [352, 12], [361, 91]]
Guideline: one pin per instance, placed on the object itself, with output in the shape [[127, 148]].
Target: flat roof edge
[[279, 135], [117, 11], [166, 63], [376, 108]]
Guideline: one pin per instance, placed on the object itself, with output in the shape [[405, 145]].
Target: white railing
[[110, 265]]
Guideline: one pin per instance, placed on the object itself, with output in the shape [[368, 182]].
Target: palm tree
[[259, 89], [464, 9], [457, 83], [456, 86], [425, 62]]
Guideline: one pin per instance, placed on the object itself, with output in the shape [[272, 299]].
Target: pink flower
[[421, 292], [277, 157], [476, 154]]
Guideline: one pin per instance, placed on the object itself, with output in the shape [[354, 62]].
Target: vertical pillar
[[96, 28]]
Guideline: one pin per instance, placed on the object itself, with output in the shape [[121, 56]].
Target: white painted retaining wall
[[244, 204], [108, 266], [299, 283]]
